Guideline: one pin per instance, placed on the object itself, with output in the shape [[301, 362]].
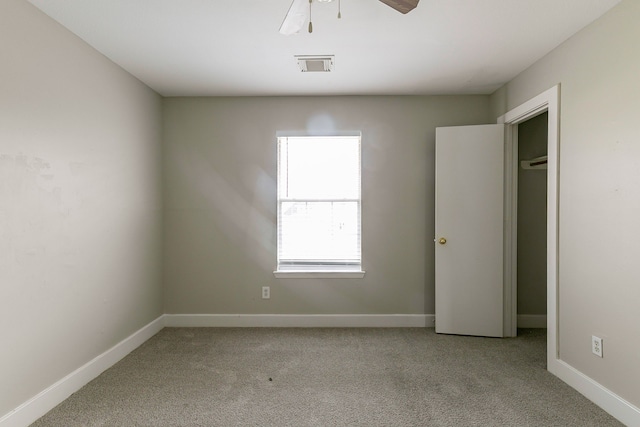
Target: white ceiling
[[232, 47]]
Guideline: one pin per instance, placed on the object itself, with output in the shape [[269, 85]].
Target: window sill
[[310, 274]]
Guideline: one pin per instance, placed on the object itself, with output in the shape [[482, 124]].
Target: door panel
[[469, 216]]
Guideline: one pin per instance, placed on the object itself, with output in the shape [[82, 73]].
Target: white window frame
[[351, 271]]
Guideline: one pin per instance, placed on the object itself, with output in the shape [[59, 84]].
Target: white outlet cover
[[596, 345]]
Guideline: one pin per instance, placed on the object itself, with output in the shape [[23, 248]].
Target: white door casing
[[548, 101]]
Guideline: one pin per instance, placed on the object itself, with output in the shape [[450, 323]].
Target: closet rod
[[536, 163]]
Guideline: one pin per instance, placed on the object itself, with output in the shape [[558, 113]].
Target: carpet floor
[[329, 377]]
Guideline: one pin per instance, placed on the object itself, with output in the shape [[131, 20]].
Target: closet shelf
[[535, 163]]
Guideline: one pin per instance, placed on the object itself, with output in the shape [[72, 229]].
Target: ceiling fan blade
[[402, 6], [295, 18]]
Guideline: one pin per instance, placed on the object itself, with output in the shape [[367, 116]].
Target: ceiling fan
[[300, 11]]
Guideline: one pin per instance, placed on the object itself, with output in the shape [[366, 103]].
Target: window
[[319, 205]]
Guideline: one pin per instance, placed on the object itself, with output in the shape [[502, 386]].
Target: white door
[[469, 230]]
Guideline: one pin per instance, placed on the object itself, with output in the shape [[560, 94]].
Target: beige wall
[[599, 196], [532, 219], [220, 168], [80, 203]]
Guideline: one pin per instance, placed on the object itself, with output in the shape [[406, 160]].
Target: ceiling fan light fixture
[[300, 11], [295, 18]]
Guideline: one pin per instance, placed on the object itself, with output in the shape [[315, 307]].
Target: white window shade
[[319, 203]]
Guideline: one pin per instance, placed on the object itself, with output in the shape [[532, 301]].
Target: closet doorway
[[531, 263], [545, 104]]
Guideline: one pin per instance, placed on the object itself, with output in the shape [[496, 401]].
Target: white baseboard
[[301, 320], [538, 321], [49, 398], [624, 411]]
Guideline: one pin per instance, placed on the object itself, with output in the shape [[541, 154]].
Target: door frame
[[548, 101]]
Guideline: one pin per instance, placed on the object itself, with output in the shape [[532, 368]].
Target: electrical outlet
[[596, 345], [266, 292]]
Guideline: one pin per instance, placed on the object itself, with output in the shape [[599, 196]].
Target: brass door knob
[[442, 240]]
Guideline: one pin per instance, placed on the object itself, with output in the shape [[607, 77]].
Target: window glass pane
[[319, 168], [319, 231]]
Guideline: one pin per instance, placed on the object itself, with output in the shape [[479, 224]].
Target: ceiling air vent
[[319, 64]]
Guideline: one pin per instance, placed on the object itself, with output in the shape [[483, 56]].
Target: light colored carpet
[[329, 377]]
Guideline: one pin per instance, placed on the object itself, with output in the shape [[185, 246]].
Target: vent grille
[[315, 64]]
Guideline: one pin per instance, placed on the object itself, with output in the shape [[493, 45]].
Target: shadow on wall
[[248, 223]]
